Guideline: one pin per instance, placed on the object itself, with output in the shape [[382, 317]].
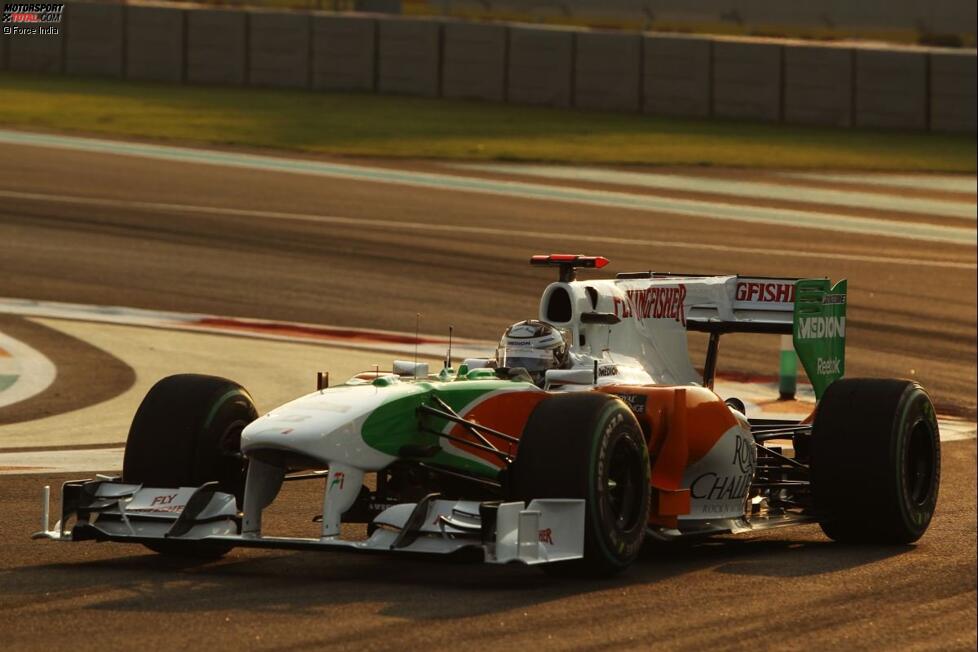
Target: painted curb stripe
[[606, 199], [428, 346]]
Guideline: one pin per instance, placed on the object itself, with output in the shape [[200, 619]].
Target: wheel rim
[[232, 462], [918, 464], [230, 442], [624, 484]]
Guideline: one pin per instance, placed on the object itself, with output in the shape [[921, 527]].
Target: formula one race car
[[573, 466]]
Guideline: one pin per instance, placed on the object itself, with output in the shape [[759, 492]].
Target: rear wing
[[755, 304], [645, 317], [812, 311]]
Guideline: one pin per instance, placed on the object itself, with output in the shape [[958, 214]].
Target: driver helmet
[[533, 345]]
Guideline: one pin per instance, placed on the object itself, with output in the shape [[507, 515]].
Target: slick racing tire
[[875, 461], [589, 445], [186, 432]]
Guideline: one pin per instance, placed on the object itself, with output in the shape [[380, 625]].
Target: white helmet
[[532, 345]]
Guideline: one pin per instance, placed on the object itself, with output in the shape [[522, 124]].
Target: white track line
[[713, 210], [550, 236], [738, 188], [104, 460], [109, 460], [944, 183], [35, 371]]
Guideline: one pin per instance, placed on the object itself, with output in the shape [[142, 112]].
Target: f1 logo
[[338, 478]]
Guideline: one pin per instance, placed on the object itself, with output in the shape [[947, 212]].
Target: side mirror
[[479, 363], [409, 368], [569, 377]]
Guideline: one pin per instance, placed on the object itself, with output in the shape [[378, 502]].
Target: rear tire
[[590, 446], [186, 432], [875, 461]]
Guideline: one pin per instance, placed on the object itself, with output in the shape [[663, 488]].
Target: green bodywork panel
[[397, 424], [819, 331]]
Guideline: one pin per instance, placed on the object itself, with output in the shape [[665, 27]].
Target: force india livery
[[615, 440]]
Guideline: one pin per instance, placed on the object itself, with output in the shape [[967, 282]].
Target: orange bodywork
[[681, 425], [505, 412]]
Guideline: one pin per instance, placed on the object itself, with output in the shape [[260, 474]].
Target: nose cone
[[326, 425]]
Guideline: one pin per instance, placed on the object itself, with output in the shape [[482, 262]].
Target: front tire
[[589, 446], [875, 461], [186, 432]]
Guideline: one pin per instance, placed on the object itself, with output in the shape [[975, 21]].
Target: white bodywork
[[327, 425], [719, 482], [649, 343]]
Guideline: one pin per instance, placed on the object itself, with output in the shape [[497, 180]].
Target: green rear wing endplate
[[819, 331]]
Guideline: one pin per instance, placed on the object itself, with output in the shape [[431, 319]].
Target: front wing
[[104, 509]]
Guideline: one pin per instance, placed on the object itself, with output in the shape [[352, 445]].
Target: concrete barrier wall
[[891, 89], [344, 53], [474, 61], [154, 44], [278, 49], [37, 53], [409, 56], [607, 71], [93, 45], [747, 80], [696, 76], [216, 46], [676, 75], [953, 92], [539, 70], [818, 85]]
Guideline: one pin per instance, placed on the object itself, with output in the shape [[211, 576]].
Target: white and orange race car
[[574, 469]]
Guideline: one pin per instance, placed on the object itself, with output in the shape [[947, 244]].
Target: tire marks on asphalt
[[713, 210], [435, 227], [757, 190]]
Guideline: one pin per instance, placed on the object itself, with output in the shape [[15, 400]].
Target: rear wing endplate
[[819, 331]]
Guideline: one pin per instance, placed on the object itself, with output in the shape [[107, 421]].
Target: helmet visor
[[529, 359]]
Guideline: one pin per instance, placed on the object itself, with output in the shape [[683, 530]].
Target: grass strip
[[394, 126]]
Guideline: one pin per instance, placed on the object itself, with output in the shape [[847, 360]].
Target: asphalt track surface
[[105, 229], [113, 236]]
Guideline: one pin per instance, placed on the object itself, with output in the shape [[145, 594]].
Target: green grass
[[375, 125]]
